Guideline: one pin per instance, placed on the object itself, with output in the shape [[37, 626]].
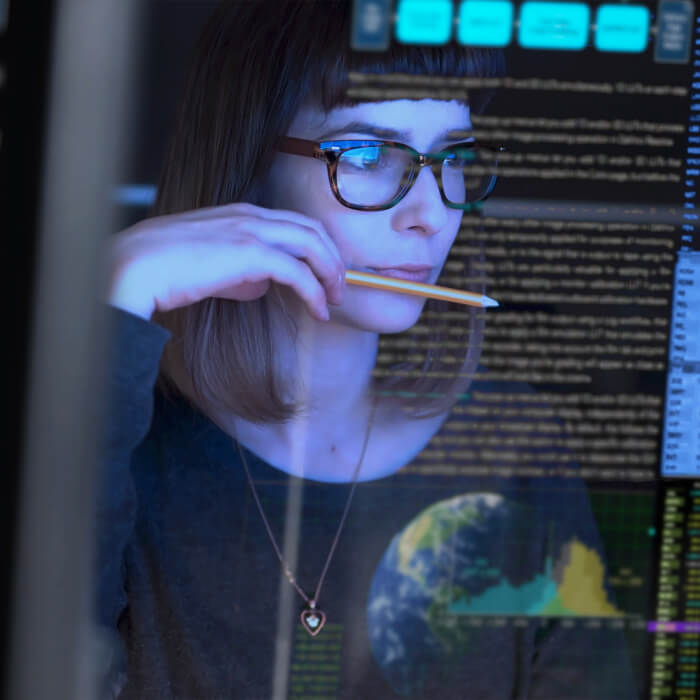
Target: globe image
[[473, 555]]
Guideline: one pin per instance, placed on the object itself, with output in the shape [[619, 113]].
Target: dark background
[[172, 27], [24, 53]]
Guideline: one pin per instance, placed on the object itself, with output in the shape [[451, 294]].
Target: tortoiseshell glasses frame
[[331, 152]]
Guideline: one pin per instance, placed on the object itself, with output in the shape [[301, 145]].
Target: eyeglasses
[[377, 175]]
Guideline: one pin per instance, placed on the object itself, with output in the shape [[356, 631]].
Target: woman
[[256, 538]]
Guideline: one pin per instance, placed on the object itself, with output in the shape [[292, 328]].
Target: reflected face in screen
[[418, 230]]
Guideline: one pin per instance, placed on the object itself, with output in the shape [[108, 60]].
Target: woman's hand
[[231, 252]]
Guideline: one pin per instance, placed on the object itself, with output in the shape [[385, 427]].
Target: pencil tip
[[488, 301]]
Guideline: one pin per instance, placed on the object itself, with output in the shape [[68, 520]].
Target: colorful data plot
[[623, 28], [554, 25], [485, 22], [424, 21]]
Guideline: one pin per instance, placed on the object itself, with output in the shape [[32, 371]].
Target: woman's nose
[[422, 207]]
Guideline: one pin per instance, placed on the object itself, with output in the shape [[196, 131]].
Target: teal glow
[[622, 28], [554, 25], [503, 598], [485, 22], [424, 21]]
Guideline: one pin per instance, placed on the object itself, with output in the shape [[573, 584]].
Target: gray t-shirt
[[429, 593]]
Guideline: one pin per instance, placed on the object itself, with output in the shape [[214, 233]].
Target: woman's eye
[[365, 158], [371, 162], [460, 156]]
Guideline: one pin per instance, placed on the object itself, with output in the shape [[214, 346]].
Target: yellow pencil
[[365, 279]]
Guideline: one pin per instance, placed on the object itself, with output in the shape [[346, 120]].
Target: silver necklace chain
[[310, 601]]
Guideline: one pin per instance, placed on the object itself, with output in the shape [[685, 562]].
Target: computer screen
[[583, 380], [509, 190]]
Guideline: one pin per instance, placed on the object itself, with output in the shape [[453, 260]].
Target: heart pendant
[[313, 620]]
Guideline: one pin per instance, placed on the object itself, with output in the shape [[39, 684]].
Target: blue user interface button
[[622, 28], [485, 22], [554, 25], [674, 28], [424, 21]]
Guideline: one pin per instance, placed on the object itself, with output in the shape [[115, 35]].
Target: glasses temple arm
[[299, 147]]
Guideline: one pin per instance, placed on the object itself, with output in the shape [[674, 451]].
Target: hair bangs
[[328, 59]]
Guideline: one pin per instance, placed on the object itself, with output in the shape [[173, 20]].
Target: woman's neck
[[327, 370]]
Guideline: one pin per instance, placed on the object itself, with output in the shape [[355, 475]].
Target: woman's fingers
[[233, 251]]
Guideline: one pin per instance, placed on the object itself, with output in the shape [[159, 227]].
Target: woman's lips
[[422, 275]]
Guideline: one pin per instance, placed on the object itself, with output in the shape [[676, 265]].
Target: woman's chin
[[388, 317]]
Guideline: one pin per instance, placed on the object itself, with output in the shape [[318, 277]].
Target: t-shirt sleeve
[[136, 346]]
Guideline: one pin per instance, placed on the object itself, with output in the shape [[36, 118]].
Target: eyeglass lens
[[376, 175]]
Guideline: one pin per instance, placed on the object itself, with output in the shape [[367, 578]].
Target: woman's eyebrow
[[382, 132]]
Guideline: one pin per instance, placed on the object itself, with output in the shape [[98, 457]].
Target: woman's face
[[419, 230]]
